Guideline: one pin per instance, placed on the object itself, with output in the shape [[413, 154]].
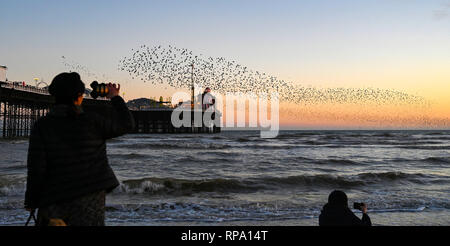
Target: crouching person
[[68, 170], [337, 213]]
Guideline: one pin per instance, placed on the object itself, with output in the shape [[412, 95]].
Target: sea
[[238, 178]]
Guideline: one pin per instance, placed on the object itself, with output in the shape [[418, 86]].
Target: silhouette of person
[[337, 213], [68, 170]]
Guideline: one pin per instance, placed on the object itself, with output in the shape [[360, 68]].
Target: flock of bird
[[71, 65], [176, 67]]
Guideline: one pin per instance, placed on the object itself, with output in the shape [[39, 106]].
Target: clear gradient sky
[[394, 44]]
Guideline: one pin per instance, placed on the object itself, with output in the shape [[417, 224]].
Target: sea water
[[238, 178]]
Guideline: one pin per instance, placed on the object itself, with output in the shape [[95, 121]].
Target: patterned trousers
[[88, 210]]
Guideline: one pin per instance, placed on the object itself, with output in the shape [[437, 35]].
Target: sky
[[393, 44]]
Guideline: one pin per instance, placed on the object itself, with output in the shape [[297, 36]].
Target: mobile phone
[[358, 205]]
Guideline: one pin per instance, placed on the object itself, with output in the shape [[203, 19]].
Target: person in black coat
[[68, 170], [337, 213]]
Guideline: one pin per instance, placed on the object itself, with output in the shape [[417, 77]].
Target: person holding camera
[[337, 213], [68, 171]]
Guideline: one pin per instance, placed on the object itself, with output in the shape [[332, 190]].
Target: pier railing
[[33, 89], [22, 87]]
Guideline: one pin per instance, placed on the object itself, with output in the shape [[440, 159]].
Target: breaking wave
[[173, 186], [176, 145]]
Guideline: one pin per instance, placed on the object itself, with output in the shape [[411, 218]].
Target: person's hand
[[30, 209], [364, 208], [112, 90]]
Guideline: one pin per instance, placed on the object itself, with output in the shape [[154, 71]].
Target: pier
[[21, 105]]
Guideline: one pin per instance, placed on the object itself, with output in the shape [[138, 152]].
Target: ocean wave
[[337, 161], [12, 185], [362, 179], [430, 160], [439, 160], [436, 133], [295, 135], [210, 213], [128, 156], [387, 134], [332, 137], [218, 137], [203, 160], [177, 145], [243, 139], [220, 154], [390, 176], [179, 186], [301, 159], [330, 161], [263, 208], [395, 210], [312, 180], [231, 212], [12, 189], [269, 146], [427, 147], [173, 186]]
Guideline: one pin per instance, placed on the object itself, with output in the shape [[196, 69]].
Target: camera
[[98, 90], [358, 205]]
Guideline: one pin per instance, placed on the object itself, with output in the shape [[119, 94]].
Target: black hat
[[66, 88]]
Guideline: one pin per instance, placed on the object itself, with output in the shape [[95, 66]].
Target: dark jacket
[[67, 154], [341, 216]]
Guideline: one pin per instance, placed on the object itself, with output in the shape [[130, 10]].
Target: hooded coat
[[341, 216]]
